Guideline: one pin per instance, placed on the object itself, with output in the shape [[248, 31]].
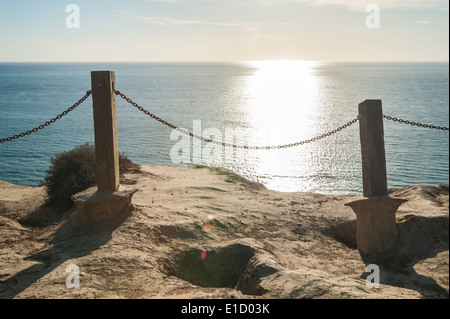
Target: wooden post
[[105, 129], [372, 148], [376, 226], [97, 204]]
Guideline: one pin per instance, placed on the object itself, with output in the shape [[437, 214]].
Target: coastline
[[249, 242]]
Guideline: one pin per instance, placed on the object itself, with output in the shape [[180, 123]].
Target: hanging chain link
[[153, 116], [246, 147], [53, 120], [390, 118]]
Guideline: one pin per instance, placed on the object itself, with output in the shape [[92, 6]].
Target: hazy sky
[[224, 30]]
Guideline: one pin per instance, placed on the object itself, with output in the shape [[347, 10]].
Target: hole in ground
[[218, 268], [345, 233]]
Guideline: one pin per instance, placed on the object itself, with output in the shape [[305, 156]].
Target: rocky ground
[[197, 232]]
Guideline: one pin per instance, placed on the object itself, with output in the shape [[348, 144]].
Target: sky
[[223, 30]]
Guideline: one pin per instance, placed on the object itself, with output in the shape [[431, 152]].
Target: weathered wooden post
[[106, 200], [376, 226], [371, 134], [105, 130]]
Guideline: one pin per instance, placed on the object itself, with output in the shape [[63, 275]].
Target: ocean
[[252, 103]]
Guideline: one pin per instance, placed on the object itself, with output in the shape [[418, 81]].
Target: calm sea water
[[263, 103]]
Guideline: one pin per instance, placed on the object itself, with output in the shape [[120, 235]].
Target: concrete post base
[[376, 226], [94, 206]]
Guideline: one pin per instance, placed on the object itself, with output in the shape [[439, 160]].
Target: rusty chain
[[246, 147], [123, 96], [53, 120], [390, 118]]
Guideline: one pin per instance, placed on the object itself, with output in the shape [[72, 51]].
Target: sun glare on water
[[280, 106], [281, 95]]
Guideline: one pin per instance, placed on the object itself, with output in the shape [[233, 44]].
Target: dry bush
[[74, 171]]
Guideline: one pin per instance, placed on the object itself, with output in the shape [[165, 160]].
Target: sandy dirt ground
[[197, 232]]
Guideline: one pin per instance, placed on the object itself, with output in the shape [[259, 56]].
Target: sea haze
[[264, 103]]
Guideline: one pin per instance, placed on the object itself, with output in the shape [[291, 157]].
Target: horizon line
[[239, 61]]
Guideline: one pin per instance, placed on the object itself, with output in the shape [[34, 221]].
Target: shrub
[[74, 171]]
